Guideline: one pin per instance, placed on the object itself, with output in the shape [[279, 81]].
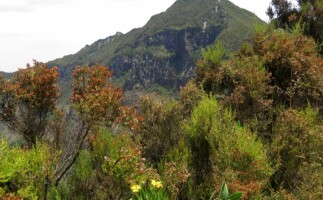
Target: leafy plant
[[224, 194]]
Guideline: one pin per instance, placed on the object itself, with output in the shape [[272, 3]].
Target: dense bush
[[28, 106], [222, 149], [190, 95], [110, 169], [294, 65], [282, 69], [174, 171], [160, 131], [24, 174], [297, 151]]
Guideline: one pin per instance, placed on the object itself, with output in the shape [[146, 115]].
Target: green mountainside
[[162, 54]]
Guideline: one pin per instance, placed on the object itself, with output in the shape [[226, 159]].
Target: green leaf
[[224, 193], [236, 196]]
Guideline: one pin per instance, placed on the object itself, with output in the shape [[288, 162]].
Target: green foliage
[[124, 161], [160, 131], [81, 181], [190, 95], [284, 54], [24, 172], [213, 54], [221, 148], [107, 171], [157, 52], [308, 13], [174, 171], [281, 70], [297, 152]]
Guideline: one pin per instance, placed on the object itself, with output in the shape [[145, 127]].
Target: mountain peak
[[163, 52]]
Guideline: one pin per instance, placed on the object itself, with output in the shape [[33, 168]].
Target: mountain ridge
[[163, 52]]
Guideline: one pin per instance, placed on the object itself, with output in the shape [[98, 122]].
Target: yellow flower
[[156, 184], [135, 188]]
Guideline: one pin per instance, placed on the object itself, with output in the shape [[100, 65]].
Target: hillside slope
[[6, 75], [164, 51]]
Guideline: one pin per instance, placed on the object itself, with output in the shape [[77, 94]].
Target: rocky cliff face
[[164, 51], [168, 59]]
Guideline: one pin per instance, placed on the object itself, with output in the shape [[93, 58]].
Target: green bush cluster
[[221, 148], [24, 173], [273, 87]]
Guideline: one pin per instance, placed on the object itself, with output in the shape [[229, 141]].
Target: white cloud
[[258, 7], [48, 2], [15, 8]]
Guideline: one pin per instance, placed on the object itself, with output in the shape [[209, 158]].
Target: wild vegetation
[[248, 126]]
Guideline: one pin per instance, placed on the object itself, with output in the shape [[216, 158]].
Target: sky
[[49, 29]]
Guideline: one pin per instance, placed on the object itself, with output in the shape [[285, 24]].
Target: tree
[[97, 103], [308, 12], [27, 101]]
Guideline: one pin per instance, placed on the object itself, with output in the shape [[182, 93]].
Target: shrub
[[25, 173], [295, 67], [190, 95], [297, 152], [208, 67], [220, 148], [97, 103], [160, 131], [174, 171], [281, 70], [81, 182], [107, 171]]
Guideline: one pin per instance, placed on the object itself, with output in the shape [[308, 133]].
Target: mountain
[[162, 53], [6, 75]]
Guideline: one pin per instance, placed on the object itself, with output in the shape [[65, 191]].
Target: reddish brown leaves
[[37, 84], [295, 67], [28, 99], [97, 100]]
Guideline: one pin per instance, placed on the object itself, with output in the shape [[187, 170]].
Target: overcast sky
[[49, 29]]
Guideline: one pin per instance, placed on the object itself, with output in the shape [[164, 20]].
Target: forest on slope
[[247, 126]]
